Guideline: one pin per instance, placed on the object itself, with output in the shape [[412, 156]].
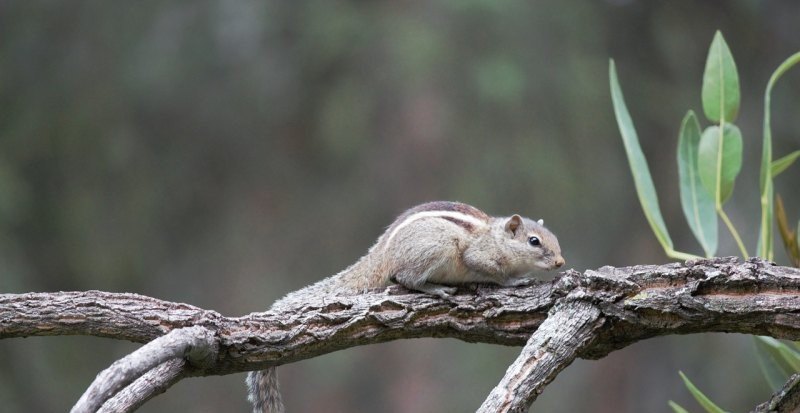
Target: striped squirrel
[[429, 248]]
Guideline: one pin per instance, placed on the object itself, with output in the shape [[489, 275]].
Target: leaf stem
[[733, 231], [767, 208], [671, 253], [766, 226]]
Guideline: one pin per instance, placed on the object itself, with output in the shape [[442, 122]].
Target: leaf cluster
[[710, 159]]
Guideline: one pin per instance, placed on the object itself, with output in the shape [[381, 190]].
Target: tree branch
[[785, 400], [147, 386], [195, 343], [636, 303], [570, 327]]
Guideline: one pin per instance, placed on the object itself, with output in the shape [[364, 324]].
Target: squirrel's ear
[[513, 223], [541, 222]]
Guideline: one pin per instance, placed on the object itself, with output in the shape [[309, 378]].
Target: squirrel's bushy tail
[[263, 391]]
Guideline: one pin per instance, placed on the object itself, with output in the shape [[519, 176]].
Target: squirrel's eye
[[534, 241]]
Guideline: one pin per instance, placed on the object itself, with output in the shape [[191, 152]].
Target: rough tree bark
[[585, 315]]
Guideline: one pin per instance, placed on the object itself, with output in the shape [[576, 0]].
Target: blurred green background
[[223, 153]]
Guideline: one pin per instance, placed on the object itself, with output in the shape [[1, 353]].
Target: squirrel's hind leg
[[418, 281]]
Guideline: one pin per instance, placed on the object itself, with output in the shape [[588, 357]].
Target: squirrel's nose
[[559, 262]]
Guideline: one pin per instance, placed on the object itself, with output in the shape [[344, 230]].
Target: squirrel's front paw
[[519, 282]]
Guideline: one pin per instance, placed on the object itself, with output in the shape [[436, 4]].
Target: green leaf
[[698, 205], [720, 83], [676, 407], [720, 160], [773, 365], [778, 360], [701, 398], [790, 356], [638, 164], [780, 165], [765, 233]]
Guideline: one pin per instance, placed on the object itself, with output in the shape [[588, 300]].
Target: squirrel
[[429, 248]]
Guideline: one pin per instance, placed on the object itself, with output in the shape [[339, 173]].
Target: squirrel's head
[[533, 246]]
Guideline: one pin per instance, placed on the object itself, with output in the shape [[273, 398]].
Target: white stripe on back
[[435, 214]]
